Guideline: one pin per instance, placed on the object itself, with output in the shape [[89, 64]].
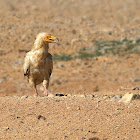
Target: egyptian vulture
[[38, 64]]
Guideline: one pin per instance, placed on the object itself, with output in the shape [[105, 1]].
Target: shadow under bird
[[38, 63]]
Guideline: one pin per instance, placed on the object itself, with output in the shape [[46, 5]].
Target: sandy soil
[[77, 24], [70, 118]]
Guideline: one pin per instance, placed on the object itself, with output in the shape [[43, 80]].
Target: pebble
[[105, 97], [69, 95], [16, 97], [7, 128], [128, 97], [95, 96], [24, 97], [81, 95], [50, 95], [117, 96], [92, 131], [136, 88], [88, 95], [59, 94], [40, 117]]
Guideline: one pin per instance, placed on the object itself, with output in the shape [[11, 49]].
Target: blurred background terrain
[[98, 50]]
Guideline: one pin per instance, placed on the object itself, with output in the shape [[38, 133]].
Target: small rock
[[50, 95], [81, 95], [16, 97], [66, 137], [89, 96], [105, 97], [83, 138], [136, 96], [59, 94], [69, 95], [17, 117], [95, 96], [7, 128], [136, 88], [117, 96], [92, 131], [40, 117], [24, 97], [128, 97]]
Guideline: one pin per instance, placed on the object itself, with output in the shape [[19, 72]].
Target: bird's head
[[50, 39], [44, 39]]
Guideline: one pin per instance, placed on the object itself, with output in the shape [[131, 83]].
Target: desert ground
[[96, 63]]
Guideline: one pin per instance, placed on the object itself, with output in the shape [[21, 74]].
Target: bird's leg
[[46, 85], [36, 92], [33, 84], [46, 91]]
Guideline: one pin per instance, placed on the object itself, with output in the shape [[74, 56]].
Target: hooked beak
[[53, 39], [50, 39]]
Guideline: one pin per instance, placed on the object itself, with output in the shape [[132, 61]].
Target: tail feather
[[27, 73]]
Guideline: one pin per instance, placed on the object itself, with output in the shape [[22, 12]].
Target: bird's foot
[[36, 92], [47, 94], [46, 91]]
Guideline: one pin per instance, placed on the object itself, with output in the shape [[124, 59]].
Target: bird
[[38, 63]]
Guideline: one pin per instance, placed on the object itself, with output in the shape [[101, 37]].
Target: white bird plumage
[[38, 63]]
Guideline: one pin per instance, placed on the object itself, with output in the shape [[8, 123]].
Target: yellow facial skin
[[50, 39]]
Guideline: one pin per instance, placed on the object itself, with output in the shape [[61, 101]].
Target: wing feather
[[50, 64], [26, 66]]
